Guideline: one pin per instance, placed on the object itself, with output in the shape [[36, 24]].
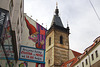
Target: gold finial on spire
[[56, 10], [56, 5]]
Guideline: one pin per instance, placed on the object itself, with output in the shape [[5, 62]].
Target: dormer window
[[61, 40]]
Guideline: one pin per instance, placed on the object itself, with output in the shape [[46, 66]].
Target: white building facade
[[91, 56]]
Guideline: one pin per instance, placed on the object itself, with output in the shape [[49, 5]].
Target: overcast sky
[[83, 22]]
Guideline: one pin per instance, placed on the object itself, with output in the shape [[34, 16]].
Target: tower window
[[61, 40], [49, 41], [96, 53]]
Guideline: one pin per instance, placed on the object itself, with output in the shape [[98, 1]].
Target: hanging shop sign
[[3, 14], [32, 54], [6, 46], [5, 35]]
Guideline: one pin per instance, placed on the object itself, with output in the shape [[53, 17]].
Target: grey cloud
[[83, 22]]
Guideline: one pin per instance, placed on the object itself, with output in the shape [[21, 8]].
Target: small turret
[[68, 28]]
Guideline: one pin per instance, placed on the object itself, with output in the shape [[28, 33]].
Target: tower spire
[[56, 19], [57, 10]]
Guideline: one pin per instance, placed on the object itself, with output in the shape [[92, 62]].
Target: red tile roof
[[70, 62], [76, 54], [87, 49]]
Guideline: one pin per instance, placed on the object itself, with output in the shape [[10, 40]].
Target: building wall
[[57, 53], [4, 4], [52, 41], [16, 17], [60, 56], [80, 63], [50, 57], [93, 52], [49, 50], [61, 53], [57, 35], [25, 34], [25, 41], [95, 62]]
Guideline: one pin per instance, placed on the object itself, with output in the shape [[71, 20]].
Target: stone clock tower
[[57, 42]]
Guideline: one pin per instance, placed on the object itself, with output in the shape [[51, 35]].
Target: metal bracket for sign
[[30, 60], [2, 23]]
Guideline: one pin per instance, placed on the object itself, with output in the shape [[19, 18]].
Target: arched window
[[49, 41], [61, 40]]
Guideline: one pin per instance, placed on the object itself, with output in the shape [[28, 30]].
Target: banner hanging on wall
[[33, 42], [3, 14]]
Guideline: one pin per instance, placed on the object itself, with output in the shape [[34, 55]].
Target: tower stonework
[[57, 43]]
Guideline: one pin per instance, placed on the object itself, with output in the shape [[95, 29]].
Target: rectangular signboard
[[32, 54]]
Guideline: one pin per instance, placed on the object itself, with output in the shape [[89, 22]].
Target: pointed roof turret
[[57, 23], [56, 19]]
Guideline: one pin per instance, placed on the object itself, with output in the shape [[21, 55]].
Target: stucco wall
[[94, 62]]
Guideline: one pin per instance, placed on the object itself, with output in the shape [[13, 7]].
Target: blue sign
[[32, 54]]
